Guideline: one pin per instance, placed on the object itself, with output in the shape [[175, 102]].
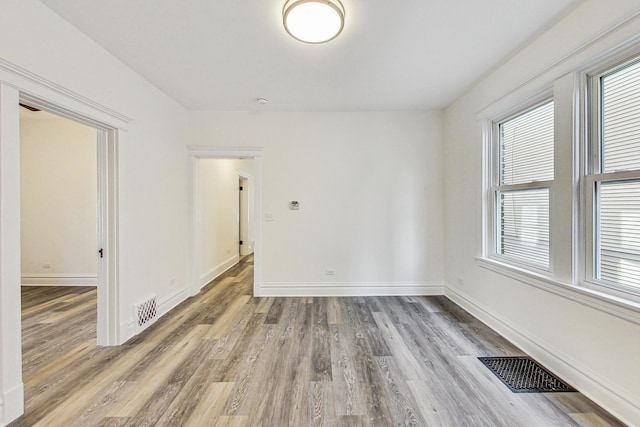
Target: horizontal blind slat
[[618, 202], [523, 225], [619, 232], [526, 146], [621, 119]]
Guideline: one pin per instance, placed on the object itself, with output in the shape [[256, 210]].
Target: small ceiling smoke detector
[[262, 101], [313, 21]]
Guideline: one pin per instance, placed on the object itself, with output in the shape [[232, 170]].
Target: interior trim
[[618, 307], [337, 289], [37, 279], [39, 101], [487, 109]]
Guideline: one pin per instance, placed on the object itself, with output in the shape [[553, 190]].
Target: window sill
[[619, 307]]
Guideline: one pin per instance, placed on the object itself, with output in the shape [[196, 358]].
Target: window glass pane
[[523, 225], [526, 147], [619, 232], [621, 119]]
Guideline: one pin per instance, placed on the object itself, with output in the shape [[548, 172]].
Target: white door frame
[[243, 217], [108, 140], [20, 85], [195, 221]]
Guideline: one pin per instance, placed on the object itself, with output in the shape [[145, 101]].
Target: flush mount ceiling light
[[313, 21]]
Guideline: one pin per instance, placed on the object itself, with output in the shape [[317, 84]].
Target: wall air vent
[[145, 313]]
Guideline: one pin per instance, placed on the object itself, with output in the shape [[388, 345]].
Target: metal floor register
[[522, 374]]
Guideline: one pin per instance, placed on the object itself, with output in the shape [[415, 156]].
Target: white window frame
[[571, 194], [563, 198], [592, 174], [493, 187]]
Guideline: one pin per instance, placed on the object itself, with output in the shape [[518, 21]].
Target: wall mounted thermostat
[[294, 205]]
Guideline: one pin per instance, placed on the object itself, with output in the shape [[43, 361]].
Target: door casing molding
[[20, 85]]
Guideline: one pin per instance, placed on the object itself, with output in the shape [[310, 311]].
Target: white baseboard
[[44, 279], [11, 404], [216, 271], [322, 289], [172, 301], [127, 331], [618, 401]]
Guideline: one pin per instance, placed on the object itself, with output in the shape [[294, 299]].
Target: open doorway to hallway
[[226, 212]]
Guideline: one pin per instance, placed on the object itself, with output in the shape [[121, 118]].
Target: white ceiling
[[392, 54]]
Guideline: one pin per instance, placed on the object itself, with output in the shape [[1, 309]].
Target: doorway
[[223, 215], [245, 214], [58, 228], [109, 131], [58, 200], [104, 252], [197, 226]]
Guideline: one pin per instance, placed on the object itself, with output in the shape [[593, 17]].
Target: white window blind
[[620, 93], [523, 232], [526, 147], [617, 227], [619, 232]]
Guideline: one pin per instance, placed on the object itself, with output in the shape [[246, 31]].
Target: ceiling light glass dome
[[313, 21]]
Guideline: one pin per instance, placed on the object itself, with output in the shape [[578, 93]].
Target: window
[[523, 148], [561, 205], [614, 178]]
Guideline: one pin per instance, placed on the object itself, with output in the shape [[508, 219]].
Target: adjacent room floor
[[55, 320], [224, 358]]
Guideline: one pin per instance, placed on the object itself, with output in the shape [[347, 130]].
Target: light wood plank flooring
[[224, 358]]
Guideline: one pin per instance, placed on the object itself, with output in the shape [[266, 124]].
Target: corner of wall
[[218, 270], [621, 403]]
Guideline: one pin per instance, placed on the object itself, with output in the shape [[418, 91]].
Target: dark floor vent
[[524, 375]]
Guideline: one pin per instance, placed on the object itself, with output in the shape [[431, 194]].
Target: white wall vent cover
[[145, 313]]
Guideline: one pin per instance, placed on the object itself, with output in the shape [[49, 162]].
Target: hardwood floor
[[224, 358]]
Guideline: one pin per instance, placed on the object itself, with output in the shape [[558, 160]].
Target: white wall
[[153, 165], [219, 205], [152, 157], [59, 197], [595, 351], [370, 190]]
